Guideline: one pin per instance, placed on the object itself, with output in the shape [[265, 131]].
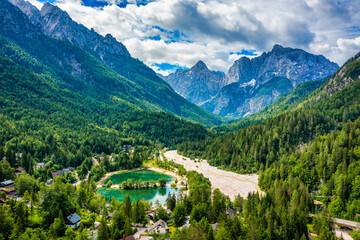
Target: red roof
[[19, 169]]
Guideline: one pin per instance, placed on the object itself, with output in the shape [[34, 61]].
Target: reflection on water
[[144, 175], [148, 194], [162, 191]]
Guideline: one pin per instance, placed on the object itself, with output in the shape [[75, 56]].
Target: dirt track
[[229, 183]]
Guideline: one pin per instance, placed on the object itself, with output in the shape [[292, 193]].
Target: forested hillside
[[80, 71], [317, 142], [285, 103]]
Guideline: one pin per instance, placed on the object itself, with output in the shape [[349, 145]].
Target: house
[[63, 171], [7, 186], [73, 220], [230, 212], [40, 165], [159, 227], [19, 170], [57, 173], [69, 169]]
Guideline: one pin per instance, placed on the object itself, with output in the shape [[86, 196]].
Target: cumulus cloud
[[181, 32]]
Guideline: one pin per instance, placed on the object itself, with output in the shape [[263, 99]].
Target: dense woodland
[[304, 145]]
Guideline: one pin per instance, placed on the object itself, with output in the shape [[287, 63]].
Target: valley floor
[[229, 183]]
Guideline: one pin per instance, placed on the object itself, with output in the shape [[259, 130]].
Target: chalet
[[40, 165], [19, 170], [69, 169], [73, 220], [159, 227], [57, 173], [7, 186], [63, 171], [230, 212]]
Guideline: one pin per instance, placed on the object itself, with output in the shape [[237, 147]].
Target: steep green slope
[[315, 144], [257, 146], [37, 104], [67, 60], [285, 103]]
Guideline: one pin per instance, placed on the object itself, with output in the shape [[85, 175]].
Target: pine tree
[[127, 207]]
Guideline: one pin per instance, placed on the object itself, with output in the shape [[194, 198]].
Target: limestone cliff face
[[250, 84], [197, 84], [58, 24]]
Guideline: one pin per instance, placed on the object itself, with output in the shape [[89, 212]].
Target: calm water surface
[[148, 194]]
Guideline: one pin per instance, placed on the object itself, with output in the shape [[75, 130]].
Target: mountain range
[[250, 84], [130, 80]]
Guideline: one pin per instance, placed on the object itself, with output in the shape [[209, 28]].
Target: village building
[[19, 170], [40, 165], [62, 172], [159, 227], [7, 186], [73, 220]]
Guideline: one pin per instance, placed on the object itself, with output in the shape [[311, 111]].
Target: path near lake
[[229, 183]]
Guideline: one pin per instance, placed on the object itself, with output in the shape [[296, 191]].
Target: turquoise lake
[[148, 194]]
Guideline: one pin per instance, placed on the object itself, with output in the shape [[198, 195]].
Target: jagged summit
[[197, 84], [100, 65], [277, 47], [58, 24], [250, 84], [199, 65], [273, 73]]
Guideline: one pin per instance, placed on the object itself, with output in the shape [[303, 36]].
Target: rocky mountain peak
[[277, 47], [252, 84], [30, 10], [58, 24], [200, 65], [197, 84]]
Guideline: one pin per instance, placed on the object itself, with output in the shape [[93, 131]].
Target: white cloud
[[36, 3], [211, 29]]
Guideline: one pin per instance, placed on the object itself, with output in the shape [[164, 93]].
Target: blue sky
[[167, 34]]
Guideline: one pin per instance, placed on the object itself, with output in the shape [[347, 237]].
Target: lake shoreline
[[155, 169], [229, 183]]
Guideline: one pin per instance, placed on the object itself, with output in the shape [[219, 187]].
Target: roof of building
[[7, 183], [69, 169], [40, 164], [19, 169], [159, 223], [74, 218]]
